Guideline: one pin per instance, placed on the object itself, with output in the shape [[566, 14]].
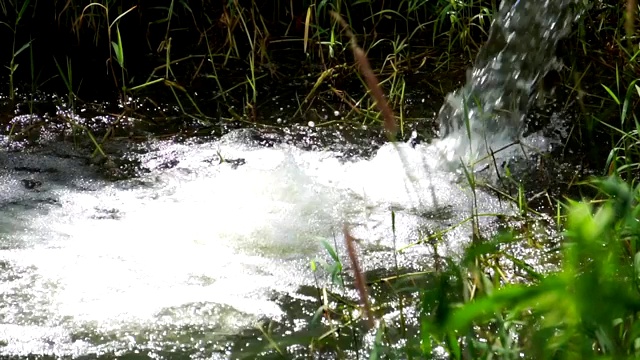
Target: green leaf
[[118, 49], [317, 315], [469, 176], [331, 251], [636, 265], [461, 318], [615, 98], [64, 78], [22, 10], [121, 15], [627, 100], [454, 346], [23, 48]]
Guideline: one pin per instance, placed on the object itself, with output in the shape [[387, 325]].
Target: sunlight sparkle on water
[[210, 240]]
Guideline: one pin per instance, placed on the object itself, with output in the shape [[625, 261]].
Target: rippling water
[[204, 239]]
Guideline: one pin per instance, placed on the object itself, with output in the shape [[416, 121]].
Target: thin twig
[[358, 275]]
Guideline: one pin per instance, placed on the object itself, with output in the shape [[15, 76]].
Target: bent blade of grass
[[315, 88], [121, 15], [611, 93], [142, 86], [307, 24], [272, 343], [512, 296], [25, 4], [23, 48]]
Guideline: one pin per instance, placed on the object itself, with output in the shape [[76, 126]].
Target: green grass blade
[[611, 93]]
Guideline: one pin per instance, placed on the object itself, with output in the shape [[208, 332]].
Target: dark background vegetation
[[263, 40], [236, 55], [230, 59]]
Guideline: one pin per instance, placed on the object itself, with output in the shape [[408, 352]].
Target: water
[[500, 87], [205, 243], [184, 259]]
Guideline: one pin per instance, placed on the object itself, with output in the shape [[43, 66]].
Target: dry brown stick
[[372, 81], [359, 278], [390, 127], [630, 19]]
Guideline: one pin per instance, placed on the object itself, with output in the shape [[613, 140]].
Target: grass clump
[[236, 54], [588, 308]]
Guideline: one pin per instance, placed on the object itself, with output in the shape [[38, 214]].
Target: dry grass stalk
[[630, 19], [359, 278]]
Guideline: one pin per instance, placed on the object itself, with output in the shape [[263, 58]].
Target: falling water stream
[[210, 238]]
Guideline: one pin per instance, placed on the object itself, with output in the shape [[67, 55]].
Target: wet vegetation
[[98, 72]]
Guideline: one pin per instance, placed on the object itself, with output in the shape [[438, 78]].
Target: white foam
[[204, 232]]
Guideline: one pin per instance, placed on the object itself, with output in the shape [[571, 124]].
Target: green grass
[[242, 39], [489, 305]]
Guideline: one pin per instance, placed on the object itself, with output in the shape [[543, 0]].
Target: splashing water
[[488, 112], [199, 246]]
